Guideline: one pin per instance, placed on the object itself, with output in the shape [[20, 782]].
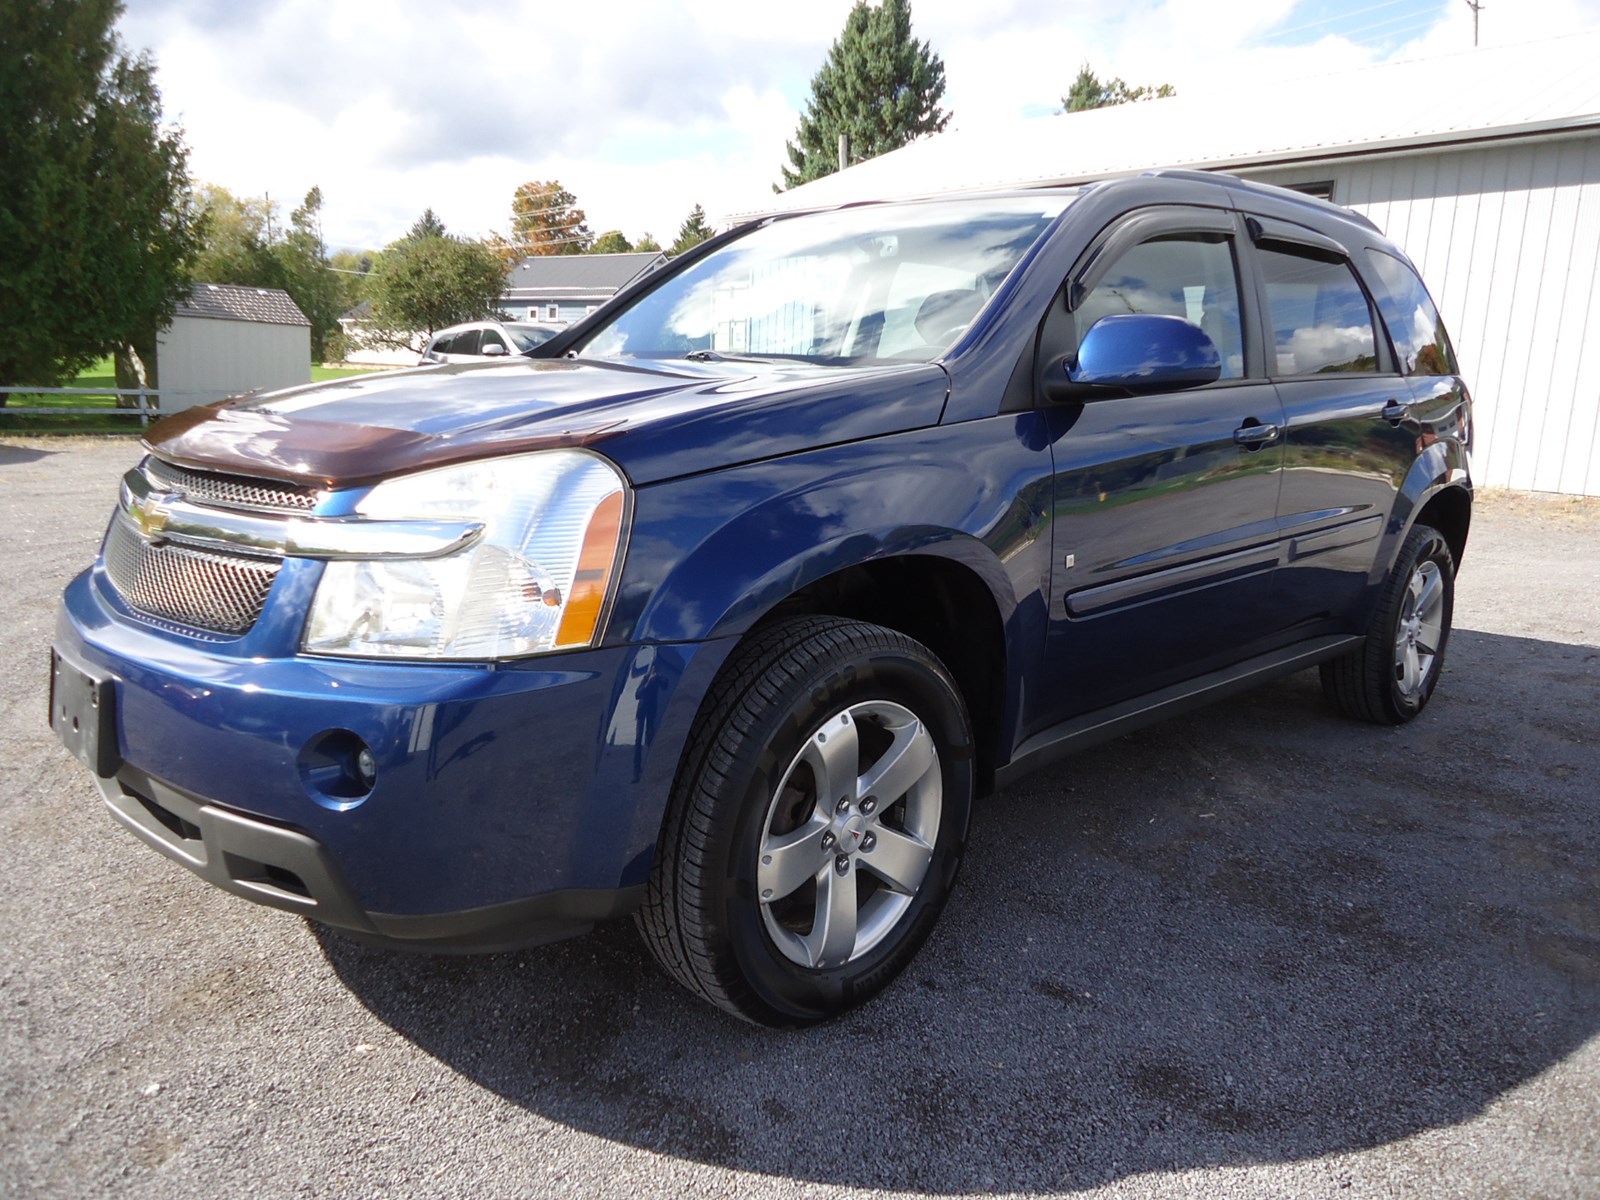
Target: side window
[[1321, 322], [1408, 311], [1188, 275], [491, 338]]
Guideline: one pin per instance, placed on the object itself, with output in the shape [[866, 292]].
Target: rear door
[[1165, 505], [1347, 447]]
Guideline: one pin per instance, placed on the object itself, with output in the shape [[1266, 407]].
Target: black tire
[[763, 728], [1379, 682]]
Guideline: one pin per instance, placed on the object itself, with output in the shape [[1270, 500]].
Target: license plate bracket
[[83, 712]]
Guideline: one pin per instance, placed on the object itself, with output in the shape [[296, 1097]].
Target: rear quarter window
[[1419, 337]]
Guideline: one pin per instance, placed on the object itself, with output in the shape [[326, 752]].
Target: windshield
[[528, 336], [886, 282]]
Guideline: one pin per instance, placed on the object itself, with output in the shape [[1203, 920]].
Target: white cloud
[[643, 109]]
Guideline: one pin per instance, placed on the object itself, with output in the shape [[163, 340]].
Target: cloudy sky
[[643, 108]]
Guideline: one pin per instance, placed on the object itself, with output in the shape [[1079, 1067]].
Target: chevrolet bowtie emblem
[[149, 513]]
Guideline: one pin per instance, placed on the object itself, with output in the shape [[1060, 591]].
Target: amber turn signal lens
[[595, 560]]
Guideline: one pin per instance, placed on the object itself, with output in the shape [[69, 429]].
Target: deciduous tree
[[545, 219], [879, 85], [611, 242], [234, 246], [427, 281], [244, 244], [97, 232]]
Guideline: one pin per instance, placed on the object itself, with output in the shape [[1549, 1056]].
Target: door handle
[[1395, 412], [1255, 435]]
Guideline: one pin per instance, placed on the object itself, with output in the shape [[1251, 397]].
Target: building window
[[552, 312], [533, 314], [1322, 189]]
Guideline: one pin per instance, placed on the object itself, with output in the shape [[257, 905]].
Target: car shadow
[[1258, 933], [12, 455]]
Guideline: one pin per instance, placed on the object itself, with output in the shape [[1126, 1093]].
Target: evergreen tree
[[313, 287], [97, 232], [693, 231], [427, 225], [647, 243], [545, 219], [879, 85], [1088, 91]]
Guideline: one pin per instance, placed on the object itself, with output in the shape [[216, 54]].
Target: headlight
[[536, 580]]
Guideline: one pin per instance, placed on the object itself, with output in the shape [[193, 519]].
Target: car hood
[[654, 420]]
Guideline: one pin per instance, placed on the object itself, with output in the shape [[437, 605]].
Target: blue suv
[[723, 607]]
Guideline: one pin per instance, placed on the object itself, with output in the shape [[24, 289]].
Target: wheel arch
[[1437, 491], [1449, 510], [940, 602]]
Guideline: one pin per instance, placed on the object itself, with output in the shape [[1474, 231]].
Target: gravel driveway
[[1257, 951]]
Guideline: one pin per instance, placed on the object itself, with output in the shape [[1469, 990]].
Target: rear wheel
[[817, 823], [1391, 677]]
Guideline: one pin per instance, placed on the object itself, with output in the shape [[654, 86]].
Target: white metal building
[[226, 339], [1484, 166]]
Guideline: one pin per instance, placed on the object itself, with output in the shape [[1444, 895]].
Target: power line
[[1390, 35], [1330, 20]]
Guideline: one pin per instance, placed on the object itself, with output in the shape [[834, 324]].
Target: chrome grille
[[234, 491], [223, 593]]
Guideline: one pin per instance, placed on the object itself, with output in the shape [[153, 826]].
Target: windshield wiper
[[718, 356]]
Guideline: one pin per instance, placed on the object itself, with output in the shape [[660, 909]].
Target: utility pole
[[1476, 6]]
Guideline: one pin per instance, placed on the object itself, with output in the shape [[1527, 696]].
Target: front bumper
[[283, 868], [514, 803]]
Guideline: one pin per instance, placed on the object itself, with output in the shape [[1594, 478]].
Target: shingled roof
[[231, 302], [577, 276]]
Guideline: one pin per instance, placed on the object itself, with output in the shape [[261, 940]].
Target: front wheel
[[1390, 678], [817, 823]]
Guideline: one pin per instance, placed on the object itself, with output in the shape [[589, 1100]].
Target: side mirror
[[1136, 352], [493, 350]]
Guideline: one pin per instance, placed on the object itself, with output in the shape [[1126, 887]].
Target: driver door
[[1165, 503]]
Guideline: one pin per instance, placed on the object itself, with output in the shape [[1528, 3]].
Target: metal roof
[[1527, 90], [233, 302], [575, 275]]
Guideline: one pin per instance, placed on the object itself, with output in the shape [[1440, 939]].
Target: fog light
[[338, 769]]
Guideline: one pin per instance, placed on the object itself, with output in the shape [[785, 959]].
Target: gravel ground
[[1258, 951]]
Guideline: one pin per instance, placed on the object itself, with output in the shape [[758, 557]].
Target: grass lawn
[[100, 374], [320, 373], [103, 374]]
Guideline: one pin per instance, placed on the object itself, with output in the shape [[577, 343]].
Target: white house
[[1483, 165], [225, 339]]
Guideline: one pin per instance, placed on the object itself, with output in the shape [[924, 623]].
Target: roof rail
[[1251, 185]]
